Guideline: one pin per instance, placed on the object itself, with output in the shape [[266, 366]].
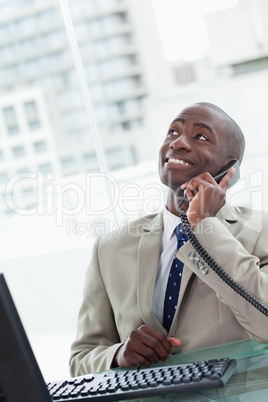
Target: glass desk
[[249, 382]]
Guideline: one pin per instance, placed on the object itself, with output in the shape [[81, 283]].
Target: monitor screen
[[20, 377]]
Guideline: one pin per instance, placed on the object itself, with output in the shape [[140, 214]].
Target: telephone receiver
[[234, 163], [224, 170]]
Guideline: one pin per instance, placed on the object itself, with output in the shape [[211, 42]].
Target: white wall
[[47, 290]]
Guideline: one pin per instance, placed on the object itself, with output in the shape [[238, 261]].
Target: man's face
[[196, 142]]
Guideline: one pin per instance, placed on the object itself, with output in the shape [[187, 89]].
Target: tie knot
[[179, 231]]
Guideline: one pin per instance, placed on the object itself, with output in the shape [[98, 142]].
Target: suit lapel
[[186, 276], [226, 215], [148, 258]]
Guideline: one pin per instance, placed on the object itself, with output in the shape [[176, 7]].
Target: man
[[121, 319]]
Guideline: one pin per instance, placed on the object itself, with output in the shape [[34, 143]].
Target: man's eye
[[173, 132], [201, 137]]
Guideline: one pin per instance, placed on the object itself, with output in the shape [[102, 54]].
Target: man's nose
[[181, 142]]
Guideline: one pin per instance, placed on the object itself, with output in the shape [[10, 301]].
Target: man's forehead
[[199, 111], [203, 114]]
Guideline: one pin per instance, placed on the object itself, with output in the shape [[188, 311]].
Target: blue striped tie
[[174, 281]]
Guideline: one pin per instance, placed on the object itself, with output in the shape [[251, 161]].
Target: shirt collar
[[170, 221]]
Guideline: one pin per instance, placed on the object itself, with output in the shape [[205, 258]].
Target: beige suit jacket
[[120, 282]]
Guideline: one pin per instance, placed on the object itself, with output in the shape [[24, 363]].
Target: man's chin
[[169, 181], [175, 188]]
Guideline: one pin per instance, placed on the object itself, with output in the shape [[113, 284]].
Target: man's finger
[[206, 177], [226, 179], [174, 341], [156, 337]]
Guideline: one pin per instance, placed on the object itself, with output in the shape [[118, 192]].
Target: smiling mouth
[[179, 162]]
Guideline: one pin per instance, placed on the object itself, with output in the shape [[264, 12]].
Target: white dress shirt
[[168, 252]]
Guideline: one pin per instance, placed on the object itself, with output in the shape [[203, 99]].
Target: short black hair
[[236, 143]]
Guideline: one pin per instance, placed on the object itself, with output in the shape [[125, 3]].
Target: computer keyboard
[[137, 383]]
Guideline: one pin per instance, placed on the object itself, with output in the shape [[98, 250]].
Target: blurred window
[[40, 147], [45, 167], [90, 158], [18, 151], [115, 154], [3, 177], [68, 163], [11, 120], [23, 169], [32, 115]]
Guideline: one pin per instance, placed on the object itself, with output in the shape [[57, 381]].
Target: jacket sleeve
[[97, 339], [250, 271]]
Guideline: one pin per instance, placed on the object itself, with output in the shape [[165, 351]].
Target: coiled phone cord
[[215, 267]]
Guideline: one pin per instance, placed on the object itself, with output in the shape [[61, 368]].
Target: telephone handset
[[205, 256], [224, 170], [234, 163]]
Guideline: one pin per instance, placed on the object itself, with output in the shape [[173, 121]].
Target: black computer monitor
[[20, 377]]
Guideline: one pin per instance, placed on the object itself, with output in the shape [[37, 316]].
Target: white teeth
[[179, 162]]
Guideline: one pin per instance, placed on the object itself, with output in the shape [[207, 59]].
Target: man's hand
[[143, 347], [205, 196]]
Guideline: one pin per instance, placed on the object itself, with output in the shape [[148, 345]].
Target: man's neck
[[173, 200]]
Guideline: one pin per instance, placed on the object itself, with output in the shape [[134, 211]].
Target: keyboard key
[[214, 376], [186, 380], [143, 385], [167, 382], [196, 378]]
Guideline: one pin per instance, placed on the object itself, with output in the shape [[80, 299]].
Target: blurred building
[[43, 121], [233, 75], [135, 92]]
